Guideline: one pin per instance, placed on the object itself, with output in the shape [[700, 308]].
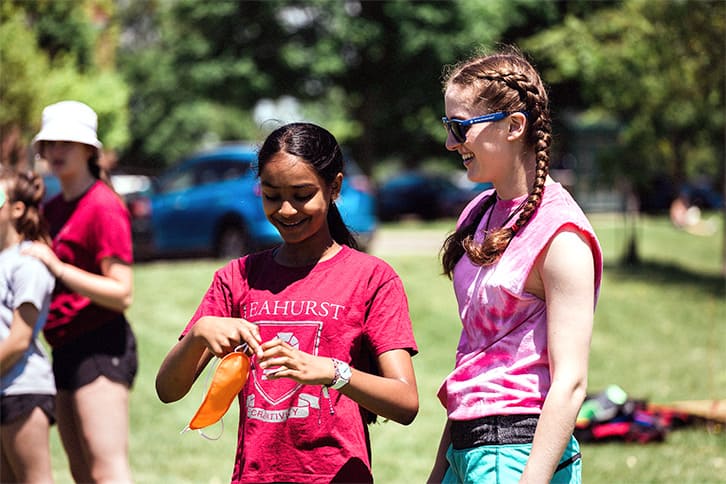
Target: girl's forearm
[[180, 369], [11, 350], [20, 336], [391, 398], [441, 464], [554, 430], [103, 290]]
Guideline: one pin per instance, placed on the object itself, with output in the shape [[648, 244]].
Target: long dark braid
[[502, 82]]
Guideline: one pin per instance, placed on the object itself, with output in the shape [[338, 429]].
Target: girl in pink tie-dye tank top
[[526, 268]]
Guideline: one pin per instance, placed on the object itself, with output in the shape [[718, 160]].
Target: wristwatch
[[342, 374]]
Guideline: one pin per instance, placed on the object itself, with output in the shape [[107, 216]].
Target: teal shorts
[[503, 464]]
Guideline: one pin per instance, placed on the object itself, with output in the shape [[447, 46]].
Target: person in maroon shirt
[[94, 349], [327, 326]]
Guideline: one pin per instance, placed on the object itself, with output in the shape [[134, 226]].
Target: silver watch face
[[342, 375], [345, 371]]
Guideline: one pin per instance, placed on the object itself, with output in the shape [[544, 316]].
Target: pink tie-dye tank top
[[502, 365]]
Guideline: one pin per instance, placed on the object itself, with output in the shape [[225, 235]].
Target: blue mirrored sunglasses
[[459, 127], [3, 197]]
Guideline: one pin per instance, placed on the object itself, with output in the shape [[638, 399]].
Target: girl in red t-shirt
[[328, 328]]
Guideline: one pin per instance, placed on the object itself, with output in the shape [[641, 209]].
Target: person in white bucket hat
[[69, 121], [94, 348]]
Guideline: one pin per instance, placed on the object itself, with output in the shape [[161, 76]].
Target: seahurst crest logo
[[302, 335]]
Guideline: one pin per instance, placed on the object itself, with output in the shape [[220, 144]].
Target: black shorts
[[15, 407], [108, 351]]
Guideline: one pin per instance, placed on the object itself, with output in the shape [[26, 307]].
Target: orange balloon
[[228, 380]]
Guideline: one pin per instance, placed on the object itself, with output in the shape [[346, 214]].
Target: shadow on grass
[[653, 272]]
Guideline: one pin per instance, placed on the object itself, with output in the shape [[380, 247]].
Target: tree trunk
[[631, 257]]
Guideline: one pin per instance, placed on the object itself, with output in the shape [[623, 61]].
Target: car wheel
[[232, 242]]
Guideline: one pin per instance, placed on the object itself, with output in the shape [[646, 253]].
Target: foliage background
[[171, 76], [637, 89]]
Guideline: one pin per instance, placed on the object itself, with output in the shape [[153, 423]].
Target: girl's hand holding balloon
[[280, 360], [222, 335]]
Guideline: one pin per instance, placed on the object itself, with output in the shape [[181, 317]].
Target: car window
[[234, 170], [177, 181], [207, 175], [203, 173], [215, 171]]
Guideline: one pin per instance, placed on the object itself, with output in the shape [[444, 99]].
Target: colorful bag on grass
[[612, 415]]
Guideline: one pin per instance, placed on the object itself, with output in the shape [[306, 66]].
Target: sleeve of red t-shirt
[[218, 300], [388, 323], [112, 232]]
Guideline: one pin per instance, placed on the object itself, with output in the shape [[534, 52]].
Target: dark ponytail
[[338, 230]]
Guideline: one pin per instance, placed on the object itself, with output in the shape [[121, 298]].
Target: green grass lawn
[[658, 334]]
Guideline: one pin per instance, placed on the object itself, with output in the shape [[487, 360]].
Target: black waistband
[[493, 430]]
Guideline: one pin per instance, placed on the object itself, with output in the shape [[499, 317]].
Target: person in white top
[[27, 385]]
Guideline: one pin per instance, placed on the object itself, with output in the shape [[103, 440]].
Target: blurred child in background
[[94, 348], [27, 408]]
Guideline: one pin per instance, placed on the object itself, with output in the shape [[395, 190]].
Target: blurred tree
[[49, 52], [658, 69], [195, 71], [61, 29], [23, 68], [369, 71], [387, 57]]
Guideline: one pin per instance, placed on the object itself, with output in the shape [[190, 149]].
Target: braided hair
[[504, 81]]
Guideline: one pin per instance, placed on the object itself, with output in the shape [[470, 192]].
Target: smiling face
[[484, 152], [296, 200]]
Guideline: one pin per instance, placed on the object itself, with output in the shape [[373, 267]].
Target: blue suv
[[210, 204]]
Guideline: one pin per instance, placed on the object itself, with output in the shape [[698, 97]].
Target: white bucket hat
[[69, 121]]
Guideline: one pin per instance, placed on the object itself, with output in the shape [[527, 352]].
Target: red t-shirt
[[351, 307], [86, 230]]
